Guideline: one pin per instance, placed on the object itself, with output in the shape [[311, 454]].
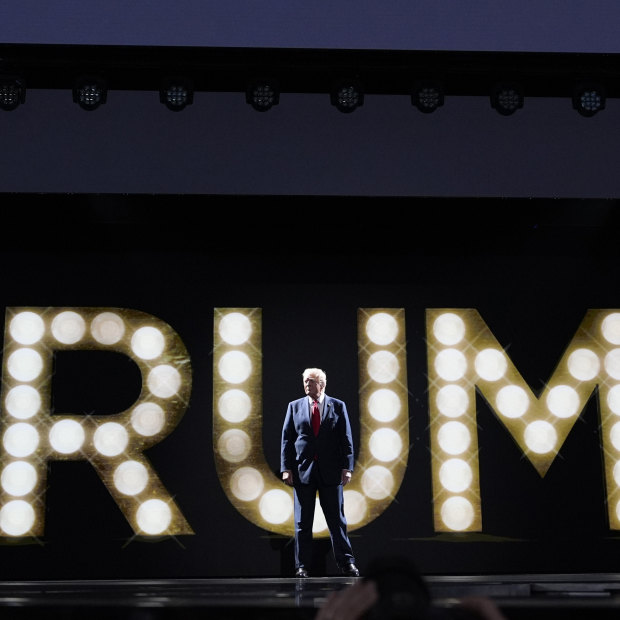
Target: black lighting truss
[[309, 70]]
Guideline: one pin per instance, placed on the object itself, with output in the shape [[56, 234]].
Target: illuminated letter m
[[464, 355]]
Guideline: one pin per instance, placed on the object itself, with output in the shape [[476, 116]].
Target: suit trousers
[[332, 504]]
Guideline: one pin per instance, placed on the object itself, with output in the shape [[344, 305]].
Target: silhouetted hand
[[350, 603], [484, 608]]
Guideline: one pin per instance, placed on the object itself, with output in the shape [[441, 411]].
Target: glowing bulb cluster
[[585, 364], [237, 423], [463, 354], [384, 435], [453, 423], [31, 435]]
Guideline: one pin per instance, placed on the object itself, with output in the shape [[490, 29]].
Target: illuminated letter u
[[250, 485]]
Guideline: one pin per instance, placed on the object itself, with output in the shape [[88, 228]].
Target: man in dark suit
[[317, 456]]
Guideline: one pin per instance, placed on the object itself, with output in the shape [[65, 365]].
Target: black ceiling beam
[[308, 70]]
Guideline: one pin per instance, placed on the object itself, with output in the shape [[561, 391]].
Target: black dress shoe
[[301, 572], [351, 570]]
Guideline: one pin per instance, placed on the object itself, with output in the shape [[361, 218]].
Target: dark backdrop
[[530, 267]]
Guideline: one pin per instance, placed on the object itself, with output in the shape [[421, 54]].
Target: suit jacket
[[333, 445]]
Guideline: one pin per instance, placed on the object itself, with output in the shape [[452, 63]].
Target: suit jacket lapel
[[307, 409], [328, 408]]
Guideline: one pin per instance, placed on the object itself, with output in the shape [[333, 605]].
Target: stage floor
[[519, 596]]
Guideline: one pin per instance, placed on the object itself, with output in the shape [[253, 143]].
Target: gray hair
[[316, 372]]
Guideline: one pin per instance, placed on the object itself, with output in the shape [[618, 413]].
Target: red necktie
[[316, 418]]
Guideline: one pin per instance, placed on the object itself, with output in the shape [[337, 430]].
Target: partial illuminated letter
[[113, 444], [462, 355]]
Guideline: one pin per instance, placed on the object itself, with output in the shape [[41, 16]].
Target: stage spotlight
[[427, 96], [176, 93], [89, 92], [12, 92], [588, 99], [347, 95], [507, 98], [262, 94]]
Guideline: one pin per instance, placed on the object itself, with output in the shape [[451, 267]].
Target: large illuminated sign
[[113, 444], [463, 356]]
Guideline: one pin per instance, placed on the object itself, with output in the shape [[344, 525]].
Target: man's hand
[[287, 476], [346, 477]]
